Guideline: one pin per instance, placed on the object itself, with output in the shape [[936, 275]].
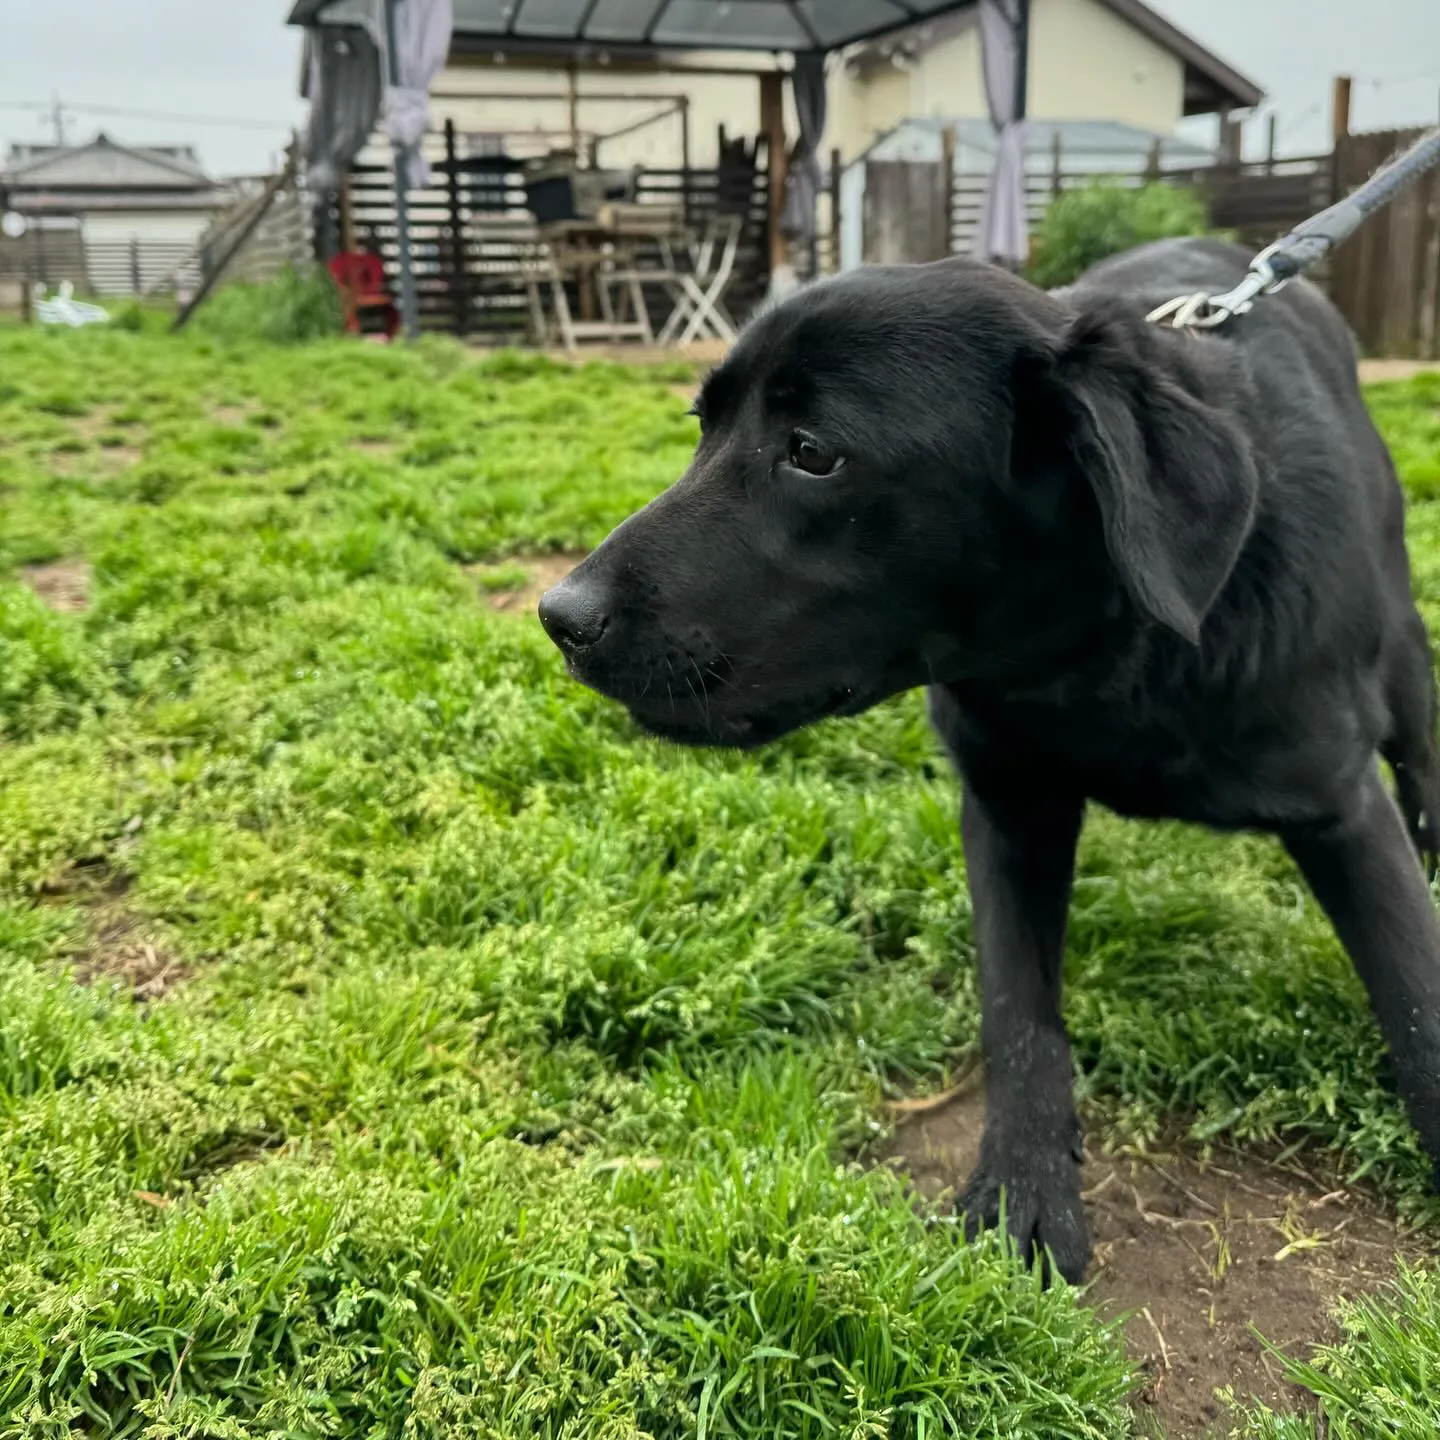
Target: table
[[617, 255]]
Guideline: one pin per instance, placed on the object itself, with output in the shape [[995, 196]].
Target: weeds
[[521, 1073]]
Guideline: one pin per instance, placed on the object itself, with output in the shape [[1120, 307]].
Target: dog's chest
[[1196, 764]]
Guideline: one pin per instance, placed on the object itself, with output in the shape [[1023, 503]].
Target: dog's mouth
[[685, 722]]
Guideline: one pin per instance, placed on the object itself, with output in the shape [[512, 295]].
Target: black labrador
[[1159, 570]]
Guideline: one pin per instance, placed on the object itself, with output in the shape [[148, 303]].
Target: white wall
[[1086, 63], [175, 227], [731, 100]]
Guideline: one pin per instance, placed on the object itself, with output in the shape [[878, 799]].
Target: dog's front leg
[[1362, 869], [1020, 853]]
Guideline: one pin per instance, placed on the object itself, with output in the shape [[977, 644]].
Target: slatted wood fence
[[470, 231]]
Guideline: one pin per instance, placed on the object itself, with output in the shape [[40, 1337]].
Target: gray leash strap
[[1306, 245]]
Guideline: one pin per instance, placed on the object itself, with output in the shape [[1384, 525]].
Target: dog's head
[[904, 475]]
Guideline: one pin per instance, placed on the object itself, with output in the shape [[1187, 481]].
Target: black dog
[[1160, 571]]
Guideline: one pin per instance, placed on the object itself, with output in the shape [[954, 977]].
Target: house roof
[[1210, 83], [617, 26], [103, 165], [639, 28]]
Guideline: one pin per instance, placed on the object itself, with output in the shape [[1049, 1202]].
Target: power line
[[1378, 80], [54, 109]]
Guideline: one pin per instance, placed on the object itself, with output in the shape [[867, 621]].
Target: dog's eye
[[809, 455]]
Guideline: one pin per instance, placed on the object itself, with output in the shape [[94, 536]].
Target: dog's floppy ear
[[1175, 478]]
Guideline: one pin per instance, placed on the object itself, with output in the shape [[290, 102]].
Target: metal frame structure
[[644, 26]]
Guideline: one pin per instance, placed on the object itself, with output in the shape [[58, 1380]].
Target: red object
[[360, 278]]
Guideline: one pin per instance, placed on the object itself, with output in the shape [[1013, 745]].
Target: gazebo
[[589, 32]]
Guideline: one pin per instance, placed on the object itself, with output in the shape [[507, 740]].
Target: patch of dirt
[[1196, 1252], [541, 572], [91, 425], [119, 945], [373, 447], [121, 950], [230, 414], [63, 585], [115, 458], [1375, 370]]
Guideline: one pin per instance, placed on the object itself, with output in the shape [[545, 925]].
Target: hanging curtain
[[422, 44], [805, 178], [343, 87], [1004, 227]]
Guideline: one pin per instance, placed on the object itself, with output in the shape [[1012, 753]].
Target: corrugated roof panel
[[678, 24], [551, 19], [837, 22], [622, 22], [754, 24]]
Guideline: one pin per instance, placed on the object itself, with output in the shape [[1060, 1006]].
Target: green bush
[[1083, 226], [297, 305]]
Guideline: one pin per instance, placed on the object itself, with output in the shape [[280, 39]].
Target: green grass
[[525, 1074], [1382, 1379]]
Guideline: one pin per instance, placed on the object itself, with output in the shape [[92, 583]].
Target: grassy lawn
[[392, 1044]]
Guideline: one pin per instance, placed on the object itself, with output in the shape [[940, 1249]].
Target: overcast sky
[[196, 62]]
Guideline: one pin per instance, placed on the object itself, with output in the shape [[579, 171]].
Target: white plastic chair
[[64, 309]]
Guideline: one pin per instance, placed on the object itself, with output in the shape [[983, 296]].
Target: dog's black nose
[[573, 615]]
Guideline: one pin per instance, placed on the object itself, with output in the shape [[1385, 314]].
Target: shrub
[[295, 306], [1083, 226]]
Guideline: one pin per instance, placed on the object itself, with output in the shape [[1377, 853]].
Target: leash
[[1306, 245]]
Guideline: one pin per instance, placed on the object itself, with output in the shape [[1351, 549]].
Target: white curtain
[[1004, 230], [422, 43]]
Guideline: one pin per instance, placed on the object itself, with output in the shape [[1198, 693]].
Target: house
[[1088, 60], [134, 212], [694, 97]]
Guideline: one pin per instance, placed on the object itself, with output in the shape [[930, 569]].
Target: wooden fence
[[1386, 280], [283, 237], [133, 267], [470, 232], [46, 254], [108, 268]]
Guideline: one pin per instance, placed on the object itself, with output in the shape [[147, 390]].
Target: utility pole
[[57, 119]]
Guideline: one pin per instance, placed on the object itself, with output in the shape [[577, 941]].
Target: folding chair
[[699, 293], [556, 260], [539, 272]]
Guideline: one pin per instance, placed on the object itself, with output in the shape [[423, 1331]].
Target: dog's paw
[[1041, 1202]]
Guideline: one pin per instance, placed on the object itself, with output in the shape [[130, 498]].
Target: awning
[[790, 25]]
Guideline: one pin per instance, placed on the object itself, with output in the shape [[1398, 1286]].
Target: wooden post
[[836, 172], [135, 286], [1057, 164], [1232, 139], [1339, 133], [947, 184], [1152, 161], [572, 95], [1340, 109], [346, 203], [1429, 348], [685, 159], [1272, 134], [459, 276], [772, 126]]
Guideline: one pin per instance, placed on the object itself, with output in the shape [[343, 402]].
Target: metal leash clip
[[1206, 312], [1306, 245]]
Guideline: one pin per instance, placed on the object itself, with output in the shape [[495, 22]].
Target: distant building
[[131, 213], [1089, 60], [1110, 60]]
